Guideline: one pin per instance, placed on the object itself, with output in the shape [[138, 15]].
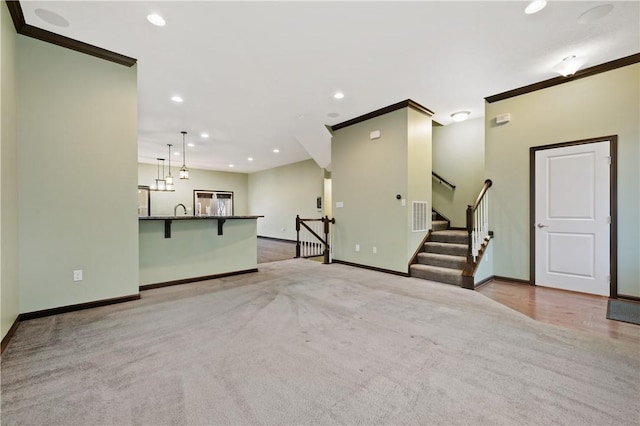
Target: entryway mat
[[625, 311]]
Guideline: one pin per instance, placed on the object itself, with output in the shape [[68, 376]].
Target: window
[[212, 203]]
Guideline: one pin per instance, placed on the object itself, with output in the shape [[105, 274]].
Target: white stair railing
[[309, 242], [478, 222]]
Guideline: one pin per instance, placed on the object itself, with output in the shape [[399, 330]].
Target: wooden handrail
[[442, 180], [485, 188], [325, 242], [470, 212]]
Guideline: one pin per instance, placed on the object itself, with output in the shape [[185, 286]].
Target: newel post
[[297, 235], [326, 221], [470, 232]]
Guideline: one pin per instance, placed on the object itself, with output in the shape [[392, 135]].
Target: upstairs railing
[[478, 222], [442, 180], [309, 243]]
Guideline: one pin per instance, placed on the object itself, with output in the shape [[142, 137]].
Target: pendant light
[[184, 172], [161, 184], [169, 179]]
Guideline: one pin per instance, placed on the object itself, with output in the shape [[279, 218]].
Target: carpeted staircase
[[443, 256]]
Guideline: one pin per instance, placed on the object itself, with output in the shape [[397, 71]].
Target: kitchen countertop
[[188, 217]]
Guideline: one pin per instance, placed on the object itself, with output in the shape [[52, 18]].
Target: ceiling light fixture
[[51, 18], [595, 13], [169, 179], [204, 135], [161, 184], [250, 159], [231, 165], [276, 150], [568, 66], [191, 145], [460, 115], [177, 99], [535, 6], [338, 95], [184, 172], [156, 20]]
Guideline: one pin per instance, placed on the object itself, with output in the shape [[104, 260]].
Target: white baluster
[[486, 206], [319, 232], [306, 242]]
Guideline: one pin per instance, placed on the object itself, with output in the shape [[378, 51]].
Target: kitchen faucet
[[175, 209]]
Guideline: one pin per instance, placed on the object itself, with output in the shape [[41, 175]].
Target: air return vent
[[420, 216]]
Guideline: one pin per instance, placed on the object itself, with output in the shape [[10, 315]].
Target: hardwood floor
[[270, 250], [567, 309]]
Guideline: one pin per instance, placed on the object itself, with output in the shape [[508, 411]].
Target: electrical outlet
[[375, 249], [77, 275], [357, 247]]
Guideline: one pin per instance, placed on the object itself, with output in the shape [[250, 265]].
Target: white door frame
[[613, 197]]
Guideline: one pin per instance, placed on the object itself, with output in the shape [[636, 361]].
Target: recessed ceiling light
[[250, 159], [231, 165], [51, 18], [204, 135], [276, 150], [595, 13], [176, 153], [177, 99], [535, 6], [191, 145], [460, 115], [338, 95], [156, 20]]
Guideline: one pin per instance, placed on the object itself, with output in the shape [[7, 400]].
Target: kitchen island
[[181, 249]]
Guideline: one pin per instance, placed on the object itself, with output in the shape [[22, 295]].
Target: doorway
[[573, 216]]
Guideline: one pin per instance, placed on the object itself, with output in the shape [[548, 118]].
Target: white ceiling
[[261, 75]]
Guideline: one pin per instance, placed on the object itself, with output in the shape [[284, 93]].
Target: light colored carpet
[[304, 343]]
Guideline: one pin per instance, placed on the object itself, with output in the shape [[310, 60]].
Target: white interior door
[[572, 213]]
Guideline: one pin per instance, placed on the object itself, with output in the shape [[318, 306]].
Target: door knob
[[540, 225]]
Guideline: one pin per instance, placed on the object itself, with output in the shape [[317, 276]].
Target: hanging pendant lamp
[[161, 184], [184, 172], [169, 179]]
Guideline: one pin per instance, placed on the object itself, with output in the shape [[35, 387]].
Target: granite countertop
[[188, 217]]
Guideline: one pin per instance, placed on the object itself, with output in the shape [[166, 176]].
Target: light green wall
[[9, 288], [77, 150], [366, 176], [485, 268], [195, 249], [327, 205], [162, 203], [600, 105], [458, 156], [282, 193], [419, 159]]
